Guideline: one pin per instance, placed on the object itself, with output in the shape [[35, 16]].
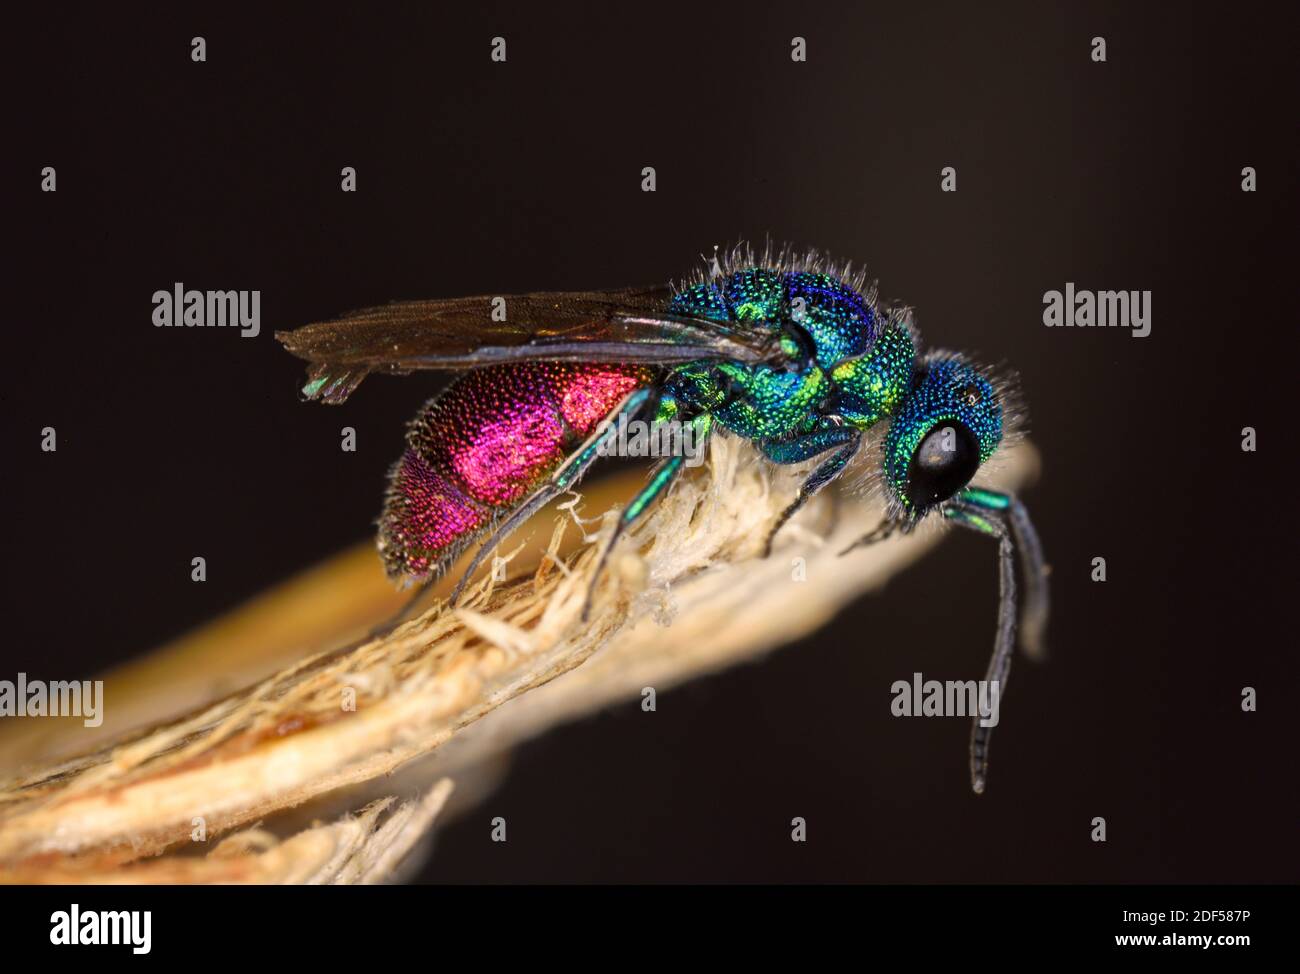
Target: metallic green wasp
[[786, 351]]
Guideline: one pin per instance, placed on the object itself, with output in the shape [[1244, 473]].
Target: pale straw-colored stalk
[[231, 790]]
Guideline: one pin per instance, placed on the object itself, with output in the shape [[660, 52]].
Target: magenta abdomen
[[478, 450]]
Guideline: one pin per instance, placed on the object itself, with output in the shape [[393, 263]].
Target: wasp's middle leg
[[806, 447]]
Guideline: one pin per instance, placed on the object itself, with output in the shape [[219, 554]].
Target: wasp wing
[[628, 325]]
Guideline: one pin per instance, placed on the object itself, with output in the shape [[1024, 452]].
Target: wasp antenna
[[1004, 518], [1035, 610]]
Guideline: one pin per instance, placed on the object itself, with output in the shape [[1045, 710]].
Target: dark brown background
[[479, 177]]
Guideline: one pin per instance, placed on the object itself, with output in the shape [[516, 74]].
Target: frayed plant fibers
[[686, 593]]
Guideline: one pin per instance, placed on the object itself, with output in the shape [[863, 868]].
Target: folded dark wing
[[629, 325]]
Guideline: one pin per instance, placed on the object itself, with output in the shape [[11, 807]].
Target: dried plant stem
[[687, 594]]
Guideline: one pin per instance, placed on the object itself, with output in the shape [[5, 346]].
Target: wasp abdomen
[[481, 448]]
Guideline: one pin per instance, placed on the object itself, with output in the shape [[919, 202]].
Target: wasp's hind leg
[[569, 473], [804, 448], [535, 502], [663, 476], [1003, 517]]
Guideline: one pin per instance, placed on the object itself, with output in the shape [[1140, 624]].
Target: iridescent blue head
[[948, 425]]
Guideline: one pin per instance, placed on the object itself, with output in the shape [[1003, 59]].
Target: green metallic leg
[[803, 448], [1002, 517], [661, 478], [564, 478]]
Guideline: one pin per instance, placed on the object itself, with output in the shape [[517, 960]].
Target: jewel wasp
[[784, 349]]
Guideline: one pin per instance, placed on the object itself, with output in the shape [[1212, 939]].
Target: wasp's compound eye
[[943, 464]]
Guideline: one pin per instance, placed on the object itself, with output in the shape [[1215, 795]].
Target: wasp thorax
[[871, 387]]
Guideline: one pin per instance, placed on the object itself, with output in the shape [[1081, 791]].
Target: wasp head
[[949, 424]]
